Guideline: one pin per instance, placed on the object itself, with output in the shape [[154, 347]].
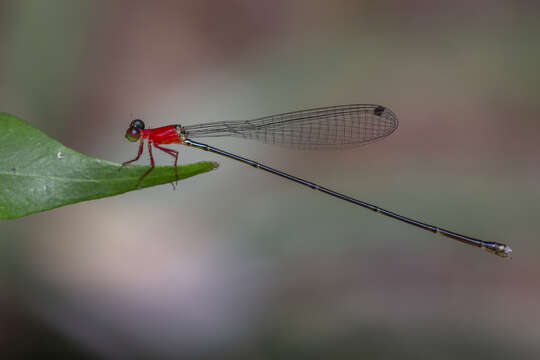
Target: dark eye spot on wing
[[379, 110]]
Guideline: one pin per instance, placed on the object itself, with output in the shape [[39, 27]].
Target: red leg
[[174, 154], [152, 163], [138, 154]]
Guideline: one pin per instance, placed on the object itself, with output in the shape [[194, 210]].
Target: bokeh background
[[240, 264]]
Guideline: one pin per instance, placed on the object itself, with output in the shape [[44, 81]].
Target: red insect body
[[162, 135]]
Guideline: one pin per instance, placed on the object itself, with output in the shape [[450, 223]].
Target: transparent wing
[[321, 128]]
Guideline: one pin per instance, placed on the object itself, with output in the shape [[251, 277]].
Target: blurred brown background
[[241, 264]]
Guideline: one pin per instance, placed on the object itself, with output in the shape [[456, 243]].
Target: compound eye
[[133, 134], [137, 123]]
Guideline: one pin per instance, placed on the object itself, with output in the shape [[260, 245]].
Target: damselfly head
[[133, 133]]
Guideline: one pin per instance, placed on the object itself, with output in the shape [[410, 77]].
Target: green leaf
[[38, 173]]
